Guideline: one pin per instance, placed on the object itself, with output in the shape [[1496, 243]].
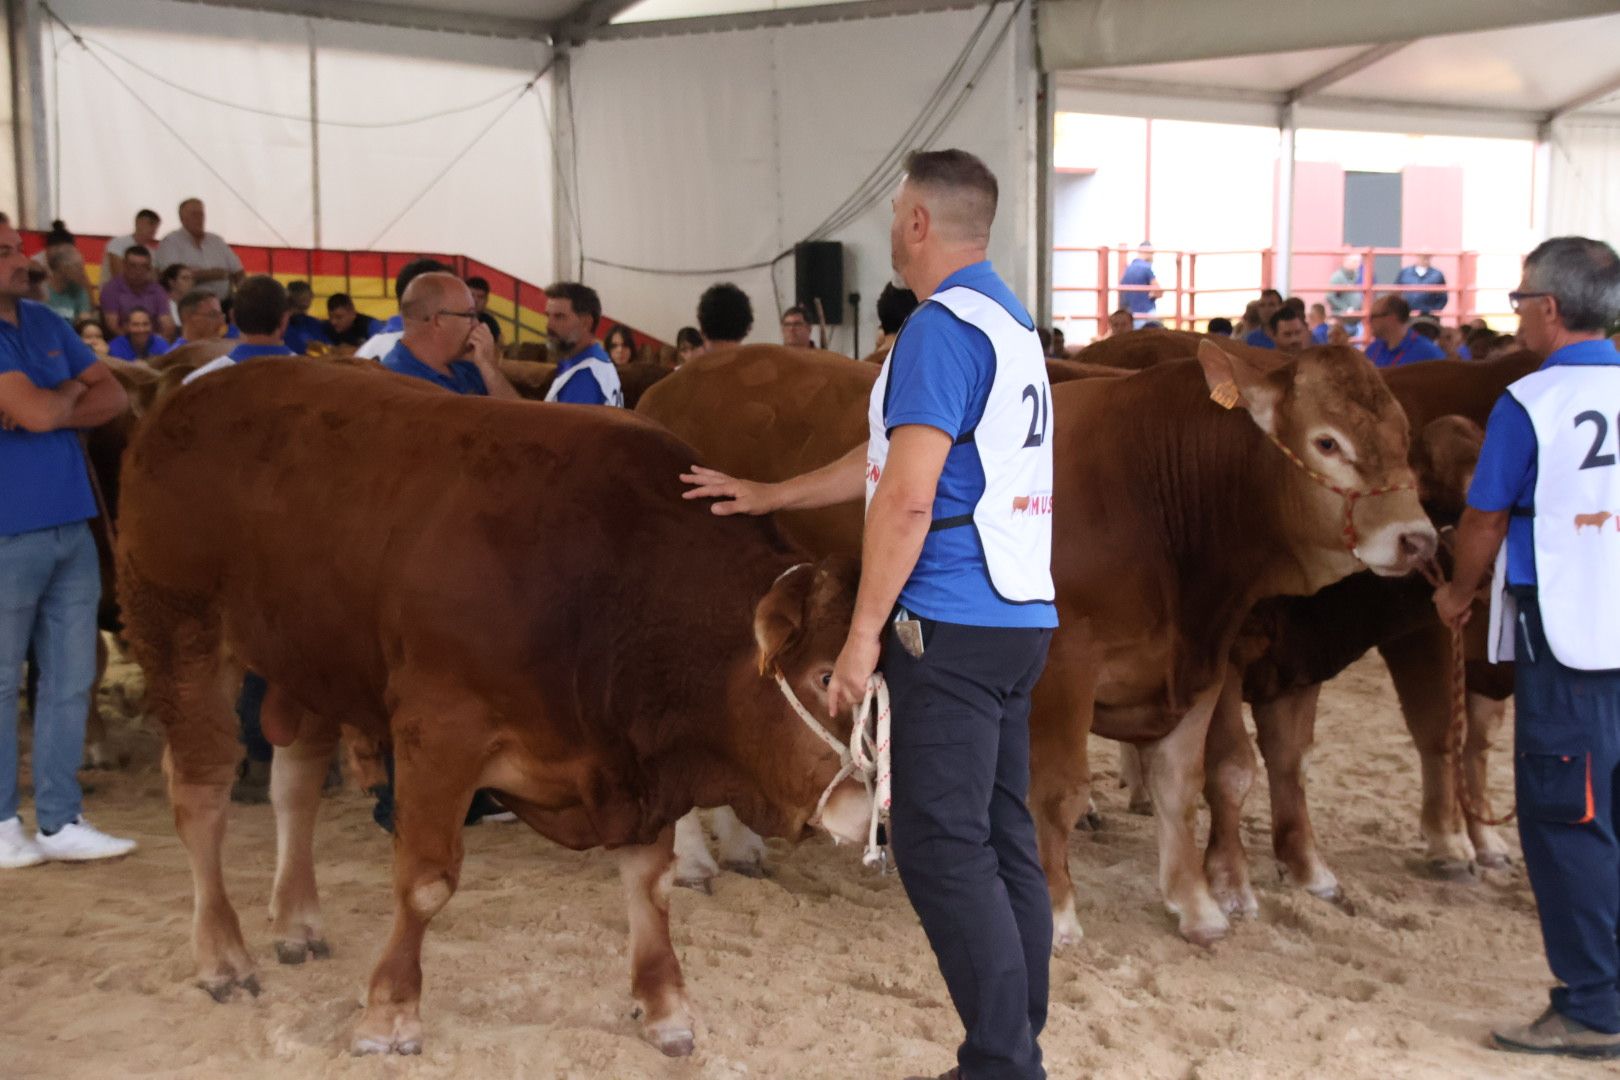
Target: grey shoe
[[1554, 1033]]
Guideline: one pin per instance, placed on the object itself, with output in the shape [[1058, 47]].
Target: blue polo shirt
[[302, 330], [1414, 348], [253, 352], [1319, 334], [1139, 272], [1259, 339], [583, 390], [939, 375], [463, 377], [1505, 478], [120, 348], [43, 482]]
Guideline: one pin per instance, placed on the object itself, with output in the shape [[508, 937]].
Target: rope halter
[[1352, 540], [866, 758]]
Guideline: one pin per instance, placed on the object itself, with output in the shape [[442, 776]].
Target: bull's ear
[[779, 617], [1444, 456], [1238, 380]]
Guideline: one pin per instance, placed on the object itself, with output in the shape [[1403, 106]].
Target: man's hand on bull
[[856, 663], [732, 496], [1453, 604]]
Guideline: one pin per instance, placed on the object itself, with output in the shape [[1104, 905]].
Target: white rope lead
[[866, 758]]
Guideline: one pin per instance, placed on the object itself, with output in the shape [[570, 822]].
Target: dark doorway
[[1372, 218]]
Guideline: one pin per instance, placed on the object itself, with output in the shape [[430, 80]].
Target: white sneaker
[[79, 841], [16, 849]]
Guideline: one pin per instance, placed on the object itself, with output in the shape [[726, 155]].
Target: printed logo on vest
[[1032, 505], [1596, 521]]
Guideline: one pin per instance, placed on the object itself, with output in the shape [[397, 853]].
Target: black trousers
[[963, 838]]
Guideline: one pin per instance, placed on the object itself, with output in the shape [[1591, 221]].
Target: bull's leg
[[1230, 768], [655, 973], [1175, 773], [1133, 778], [297, 774], [742, 851], [1420, 667], [97, 749], [1485, 718], [437, 759], [695, 868], [1060, 771], [1286, 727]]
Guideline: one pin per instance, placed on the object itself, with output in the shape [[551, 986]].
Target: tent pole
[[314, 136], [1283, 235], [31, 149]]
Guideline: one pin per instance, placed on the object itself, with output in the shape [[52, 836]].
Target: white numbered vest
[[1575, 411], [603, 371], [1014, 443]]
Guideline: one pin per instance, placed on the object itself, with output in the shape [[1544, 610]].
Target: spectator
[[1220, 326], [303, 329], [387, 336], [176, 281], [145, 235], [1141, 302], [1288, 330], [138, 341], [201, 318], [688, 343], [68, 290], [585, 373], [51, 387], [480, 294], [58, 237], [345, 326], [261, 313], [1481, 342], [1060, 346], [1428, 326], [1121, 321], [1394, 341], [724, 316], [894, 306], [1453, 343], [620, 345], [1269, 304], [796, 329], [1343, 301], [1479, 324], [1317, 321], [1045, 336], [1338, 333], [90, 332], [214, 266], [1430, 299], [133, 288]]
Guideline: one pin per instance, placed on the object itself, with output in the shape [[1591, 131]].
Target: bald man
[[444, 342], [955, 602]]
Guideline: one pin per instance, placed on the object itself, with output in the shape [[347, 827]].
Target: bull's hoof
[[1335, 895], [319, 949], [1066, 929], [704, 885], [1141, 807], [1456, 871], [364, 1045], [675, 1042], [1238, 902], [388, 1029], [1493, 860], [1205, 937], [1090, 821], [223, 988], [296, 951], [746, 869]]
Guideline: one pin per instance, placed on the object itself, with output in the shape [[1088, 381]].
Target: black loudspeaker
[[818, 274]]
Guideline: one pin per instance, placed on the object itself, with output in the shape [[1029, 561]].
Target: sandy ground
[[820, 971]]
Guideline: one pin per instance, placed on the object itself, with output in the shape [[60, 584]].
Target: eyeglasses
[[1516, 298]]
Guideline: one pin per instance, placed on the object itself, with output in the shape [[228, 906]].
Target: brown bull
[[603, 690]]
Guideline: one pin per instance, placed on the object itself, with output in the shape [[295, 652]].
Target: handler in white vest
[[585, 373], [955, 602], [1548, 482]]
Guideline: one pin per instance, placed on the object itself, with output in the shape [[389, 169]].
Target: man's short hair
[[1220, 324], [170, 274], [581, 298], [147, 215], [1122, 311], [261, 303], [337, 301], [299, 288], [478, 284], [1428, 326], [724, 313], [1282, 315], [137, 310], [1583, 275], [1319, 306], [796, 310], [1294, 303], [893, 306], [415, 269], [1396, 305], [138, 249], [182, 207], [687, 337], [966, 181], [193, 300], [1271, 292]]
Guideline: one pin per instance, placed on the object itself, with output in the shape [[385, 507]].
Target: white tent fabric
[[125, 108], [721, 150], [1585, 197]]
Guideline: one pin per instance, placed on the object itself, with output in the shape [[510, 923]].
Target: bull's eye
[[826, 679], [1326, 445]]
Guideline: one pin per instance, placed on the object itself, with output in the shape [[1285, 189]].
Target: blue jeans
[[50, 586]]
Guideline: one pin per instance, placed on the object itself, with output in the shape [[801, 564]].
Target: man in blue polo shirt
[[1394, 341], [1271, 302], [261, 313], [1140, 302], [443, 341], [50, 577], [955, 602], [303, 329], [1548, 481], [585, 373]]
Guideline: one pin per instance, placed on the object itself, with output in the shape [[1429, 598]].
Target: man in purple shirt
[[134, 288]]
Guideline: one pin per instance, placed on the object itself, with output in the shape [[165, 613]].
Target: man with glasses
[[796, 329], [1548, 482], [1394, 341], [586, 375], [443, 341]]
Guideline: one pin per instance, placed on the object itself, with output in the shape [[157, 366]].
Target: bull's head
[[1444, 456], [1353, 497], [800, 627]]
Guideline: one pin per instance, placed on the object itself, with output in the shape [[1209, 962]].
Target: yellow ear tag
[[1225, 395]]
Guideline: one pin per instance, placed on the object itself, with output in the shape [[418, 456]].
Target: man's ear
[[1239, 380]]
